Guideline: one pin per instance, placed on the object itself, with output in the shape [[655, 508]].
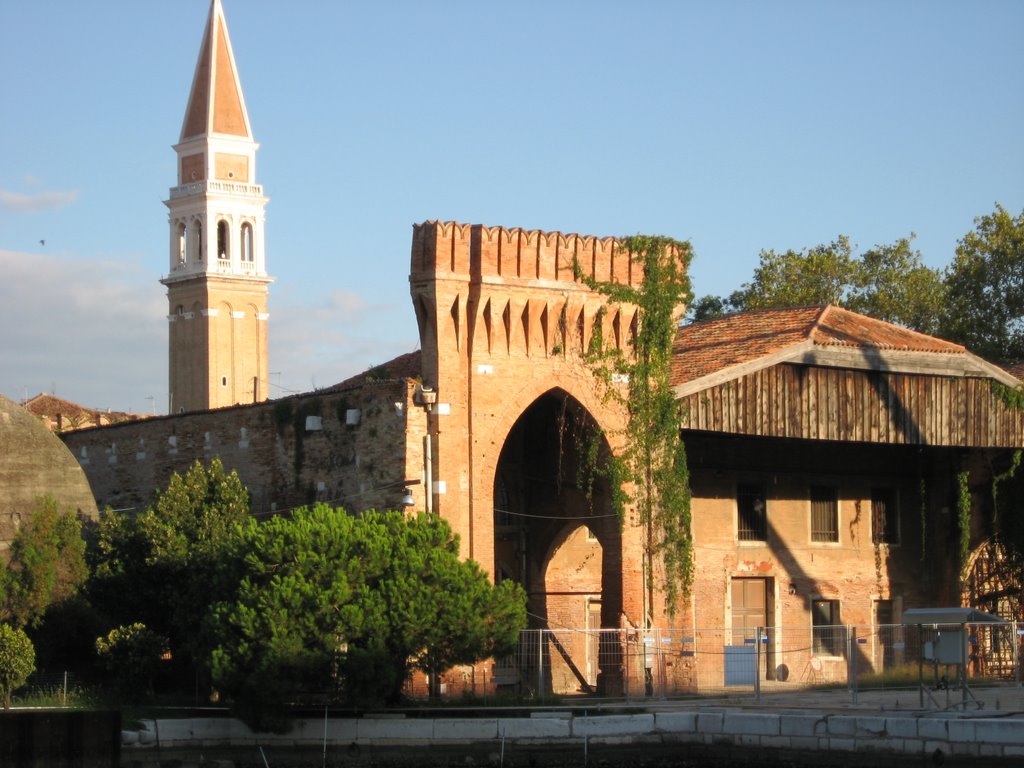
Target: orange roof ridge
[[845, 327], [819, 319]]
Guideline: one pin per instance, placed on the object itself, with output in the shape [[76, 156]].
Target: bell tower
[[217, 283]]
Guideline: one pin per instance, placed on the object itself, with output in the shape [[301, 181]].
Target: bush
[[132, 656], [17, 661]]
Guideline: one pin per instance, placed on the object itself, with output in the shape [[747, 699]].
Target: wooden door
[[749, 609]]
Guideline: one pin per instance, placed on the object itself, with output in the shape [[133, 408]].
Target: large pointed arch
[[556, 531]]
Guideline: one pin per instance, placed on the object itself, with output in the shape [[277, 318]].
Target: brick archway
[[543, 491], [505, 320]]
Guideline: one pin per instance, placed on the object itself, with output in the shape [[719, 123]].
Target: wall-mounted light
[[407, 499], [425, 397]]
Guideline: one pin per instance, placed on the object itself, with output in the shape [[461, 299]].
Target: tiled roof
[[704, 348], [49, 405], [64, 414], [1015, 369], [407, 366]]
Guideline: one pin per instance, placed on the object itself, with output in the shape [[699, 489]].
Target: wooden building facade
[[827, 452]]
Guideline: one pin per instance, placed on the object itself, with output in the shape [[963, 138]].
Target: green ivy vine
[[963, 517], [653, 459], [1000, 478], [1012, 397], [595, 463]]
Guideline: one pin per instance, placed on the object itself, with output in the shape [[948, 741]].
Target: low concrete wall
[[941, 739]]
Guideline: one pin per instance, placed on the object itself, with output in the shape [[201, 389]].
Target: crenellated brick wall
[[489, 254], [505, 322]]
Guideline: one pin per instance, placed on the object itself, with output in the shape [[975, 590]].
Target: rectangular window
[[885, 519], [751, 513], [827, 633], [824, 514]]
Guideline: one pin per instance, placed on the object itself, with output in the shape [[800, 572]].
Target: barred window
[[751, 513], [825, 628], [824, 514], [885, 519]]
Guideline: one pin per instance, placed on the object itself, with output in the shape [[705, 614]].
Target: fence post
[[757, 665], [1016, 653], [623, 640], [540, 664], [851, 644]]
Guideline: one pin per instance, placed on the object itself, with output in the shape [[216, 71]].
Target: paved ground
[[1003, 701]]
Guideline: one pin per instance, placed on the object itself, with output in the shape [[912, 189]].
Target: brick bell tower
[[217, 283]]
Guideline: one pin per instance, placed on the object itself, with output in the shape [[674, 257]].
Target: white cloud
[[15, 201], [94, 331], [317, 343]]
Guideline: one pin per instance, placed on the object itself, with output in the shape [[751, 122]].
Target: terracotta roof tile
[[1015, 369], [713, 345], [407, 366], [64, 414]]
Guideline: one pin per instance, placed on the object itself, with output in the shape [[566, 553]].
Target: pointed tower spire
[[216, 104], [217, 284]]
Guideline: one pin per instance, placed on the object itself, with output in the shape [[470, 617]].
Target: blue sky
[[735, 125]]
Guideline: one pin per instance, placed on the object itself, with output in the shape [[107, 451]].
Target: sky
[[738, 126]]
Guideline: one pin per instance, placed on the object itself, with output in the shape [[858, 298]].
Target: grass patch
[[54, 697]]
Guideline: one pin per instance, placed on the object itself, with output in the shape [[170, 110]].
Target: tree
[[985, 282], [132, 657], [888, 282], [891, 283], [17, 661], [708, 307], [653, 457], [46, 567], [818, 275], [161, 568], [348, 606]]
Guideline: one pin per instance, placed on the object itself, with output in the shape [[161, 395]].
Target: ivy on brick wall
[[652, 460], [963, 518]]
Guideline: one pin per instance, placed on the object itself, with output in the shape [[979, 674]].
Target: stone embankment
[[704, 736]]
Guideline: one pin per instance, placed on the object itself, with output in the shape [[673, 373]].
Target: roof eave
[[958, 365]]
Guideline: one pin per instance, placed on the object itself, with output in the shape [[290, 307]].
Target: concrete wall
[[938, 738], [34, 463]]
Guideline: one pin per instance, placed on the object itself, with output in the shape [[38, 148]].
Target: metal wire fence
[[662, 663]]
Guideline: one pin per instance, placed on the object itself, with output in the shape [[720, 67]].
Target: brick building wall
[[351, 447]]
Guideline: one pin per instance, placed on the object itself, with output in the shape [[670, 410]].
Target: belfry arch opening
[[181, 244], [223, 241], [247, 249], [557, 534]]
